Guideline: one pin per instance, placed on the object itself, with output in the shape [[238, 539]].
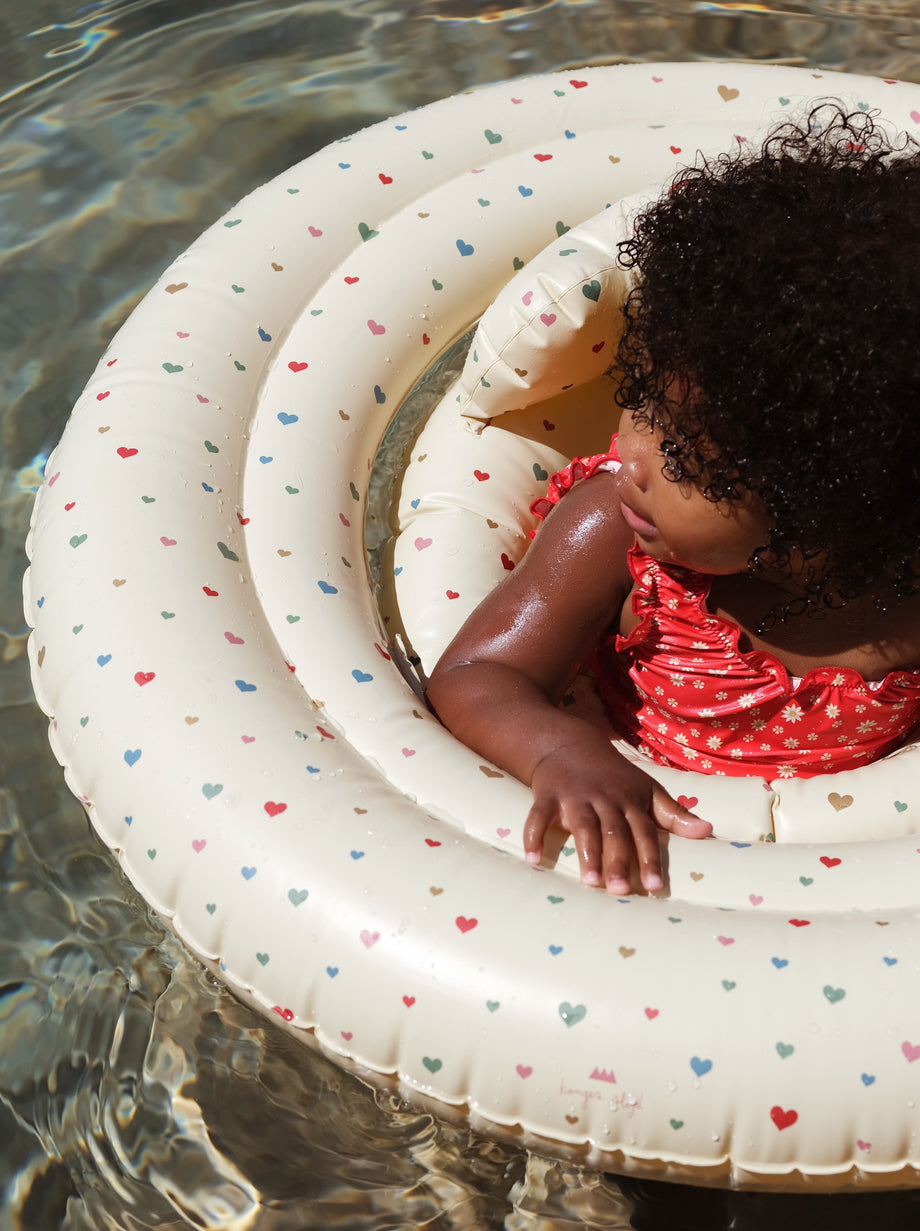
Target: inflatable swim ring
[[246, 732]]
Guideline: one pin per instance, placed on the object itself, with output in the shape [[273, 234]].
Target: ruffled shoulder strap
[[578, 468]]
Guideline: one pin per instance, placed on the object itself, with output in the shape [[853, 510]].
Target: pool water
[[134, 1091]]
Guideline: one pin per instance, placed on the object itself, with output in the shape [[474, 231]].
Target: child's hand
[[499, 682], [611, 809]]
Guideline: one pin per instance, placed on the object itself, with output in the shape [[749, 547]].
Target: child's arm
[[499, 682]]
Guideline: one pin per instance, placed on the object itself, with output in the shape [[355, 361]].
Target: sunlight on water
[[134, 1091]]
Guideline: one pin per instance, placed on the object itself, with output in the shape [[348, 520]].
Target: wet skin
[[498, 684]]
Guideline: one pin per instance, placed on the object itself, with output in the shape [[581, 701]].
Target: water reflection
[[134, 1091]]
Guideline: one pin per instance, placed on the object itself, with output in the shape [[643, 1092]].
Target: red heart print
[[543, 157], [481, 475], [124, 451], [100, 397], [285, 1013], [296, 366], [783, 1119], [210, 593], [598, 347], [800, 923], [244, 521], [432, 842], [144, 677], [651, 1014], [688, 801], [507, 562], [675, 149], [274, 809], [578, 85], [408, 1001], [829, 861], [68, 507], [464, 924], [351, 281], [385, 179], [452, 593]]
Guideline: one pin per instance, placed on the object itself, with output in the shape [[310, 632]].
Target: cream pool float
[[243, 719]]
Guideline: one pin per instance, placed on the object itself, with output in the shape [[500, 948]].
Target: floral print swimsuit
[[679, 688]]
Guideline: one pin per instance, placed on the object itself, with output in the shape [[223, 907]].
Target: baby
[[741, 571]]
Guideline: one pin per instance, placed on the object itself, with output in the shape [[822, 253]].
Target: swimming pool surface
[[134, 1091]]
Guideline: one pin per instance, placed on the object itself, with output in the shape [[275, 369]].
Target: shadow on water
[[666, 1207], [134, 1091]]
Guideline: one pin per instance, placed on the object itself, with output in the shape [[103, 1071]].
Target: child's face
[[673, 521]]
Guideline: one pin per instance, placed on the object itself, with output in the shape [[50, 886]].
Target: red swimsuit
[[679, 687]]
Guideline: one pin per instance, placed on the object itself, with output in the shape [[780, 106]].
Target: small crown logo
[[604, 1075]]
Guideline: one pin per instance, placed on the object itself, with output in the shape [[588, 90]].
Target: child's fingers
[[583, 825], [539, 818], [675, 818], [624, 837], [648, 854], [618, 854]]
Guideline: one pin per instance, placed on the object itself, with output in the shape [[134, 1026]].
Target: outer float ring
[[209, 649]]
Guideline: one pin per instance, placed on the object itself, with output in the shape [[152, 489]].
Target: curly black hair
[[779, 292]]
